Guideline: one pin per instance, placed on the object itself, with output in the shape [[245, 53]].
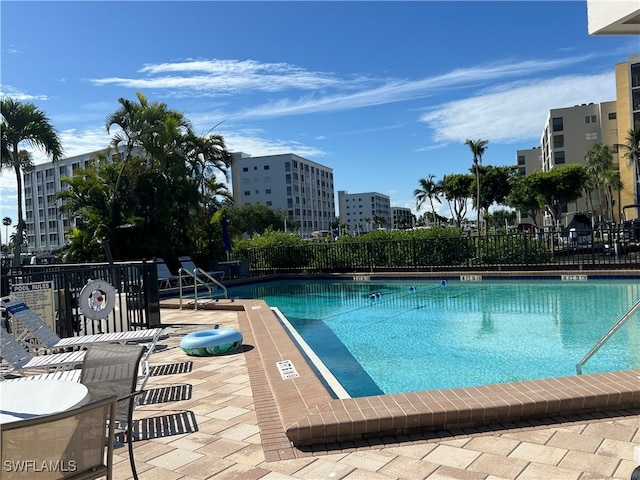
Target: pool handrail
[[607, 336], [197, 280]]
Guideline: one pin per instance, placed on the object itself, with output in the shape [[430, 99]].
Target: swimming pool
[[461, 334]]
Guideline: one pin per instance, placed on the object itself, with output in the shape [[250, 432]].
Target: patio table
[[20, 400]]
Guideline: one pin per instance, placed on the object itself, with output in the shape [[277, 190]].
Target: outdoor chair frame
[[110, 369], [71, 444], [31, 327]]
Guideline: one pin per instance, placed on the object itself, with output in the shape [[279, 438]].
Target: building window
[[591, 136], [521, 160], [268, 191], [558, 158], [590, 119], [266, 167], [557, 124], [558, 141], [612, 115], [288, 178], [247, 193], [245, 169], [269, 203]]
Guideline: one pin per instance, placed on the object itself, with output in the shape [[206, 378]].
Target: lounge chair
[[36, 328], [166, 279], [188, 265], [73, 440], [20, 360], [110, 369]]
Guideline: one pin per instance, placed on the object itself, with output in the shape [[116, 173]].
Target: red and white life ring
[[97, 299]]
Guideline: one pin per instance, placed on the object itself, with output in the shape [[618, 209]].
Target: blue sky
[[385, 93]]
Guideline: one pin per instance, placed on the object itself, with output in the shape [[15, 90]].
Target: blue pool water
[[461, 334]]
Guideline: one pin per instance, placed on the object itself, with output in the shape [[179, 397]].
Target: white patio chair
[[36, 328], [20, 360]]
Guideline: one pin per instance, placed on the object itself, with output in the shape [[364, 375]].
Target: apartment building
[[570, 132], [45, 224], [568, 135], [627, 118], [300, 188], [402, 218], [359, 210]]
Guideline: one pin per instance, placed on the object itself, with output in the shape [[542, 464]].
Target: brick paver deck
[[234, 416]]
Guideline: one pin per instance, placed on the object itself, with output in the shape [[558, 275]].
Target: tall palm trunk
[[18, 239]]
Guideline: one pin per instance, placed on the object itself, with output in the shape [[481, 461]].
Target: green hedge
[[390, 249]]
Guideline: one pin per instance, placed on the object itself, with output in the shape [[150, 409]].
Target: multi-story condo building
[[45, 224], [568, 136], [627, 117], [300, 188], [402, 218], [528, 161], [359, 211]]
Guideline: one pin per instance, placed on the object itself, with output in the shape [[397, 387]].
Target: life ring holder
[[97, 299]]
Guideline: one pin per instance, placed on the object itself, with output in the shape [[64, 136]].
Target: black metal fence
[[609, 248], [136, 301]]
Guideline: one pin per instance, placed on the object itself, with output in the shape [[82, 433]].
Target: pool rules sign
[[287, 370], [39, 298]]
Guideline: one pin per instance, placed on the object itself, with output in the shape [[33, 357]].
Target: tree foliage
[[24, 124], [496, 184], [429, 190], [160, 192], [252, 219], [457, 191], [558, 187], [524, 197], [477, 147], [602, 179]]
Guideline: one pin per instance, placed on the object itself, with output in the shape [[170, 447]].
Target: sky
[[384, 93]]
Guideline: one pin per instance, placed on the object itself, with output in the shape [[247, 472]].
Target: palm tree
[[478, 147], [429, 190], [602, 178], [6, 221], [24, 123], [631, 149]]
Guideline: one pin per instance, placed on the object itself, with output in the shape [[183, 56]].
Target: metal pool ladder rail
[[607, 336], [209, 282]]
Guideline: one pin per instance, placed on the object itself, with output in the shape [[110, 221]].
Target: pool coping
[[296, 412]]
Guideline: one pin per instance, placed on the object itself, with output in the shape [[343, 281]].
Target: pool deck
[[247, 417]]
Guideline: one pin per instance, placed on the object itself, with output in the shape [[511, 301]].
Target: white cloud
[[252, 142], [222, 77], [330, 92], [515, 112]]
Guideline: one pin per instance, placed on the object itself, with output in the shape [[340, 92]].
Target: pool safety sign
[[287, 370], [39, 297]]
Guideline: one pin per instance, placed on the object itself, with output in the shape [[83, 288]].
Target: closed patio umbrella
[[226, 240]]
